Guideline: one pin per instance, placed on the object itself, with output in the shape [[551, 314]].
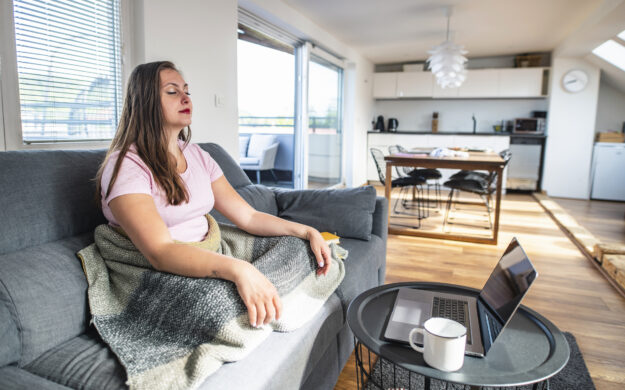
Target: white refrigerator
[[608, 171]]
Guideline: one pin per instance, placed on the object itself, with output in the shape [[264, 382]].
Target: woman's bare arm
[[236, 209], [137, 215]]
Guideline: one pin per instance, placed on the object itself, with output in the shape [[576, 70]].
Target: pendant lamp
[[447, 62]]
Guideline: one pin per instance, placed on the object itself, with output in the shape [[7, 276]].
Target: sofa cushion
[[345, 212], [235, 175], [259, 197], [361, 267], [249, 161], [83, 362], [47, 290], [244, 141], [283, 359], [55, 191], [14, 378], [258, 144], [9, 335]]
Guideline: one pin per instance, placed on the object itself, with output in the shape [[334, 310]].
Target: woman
[[158, 188]]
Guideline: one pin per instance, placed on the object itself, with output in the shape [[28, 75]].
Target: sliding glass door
[[324, 131]]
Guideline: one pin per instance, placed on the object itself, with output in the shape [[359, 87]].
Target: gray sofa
[[48, 213]]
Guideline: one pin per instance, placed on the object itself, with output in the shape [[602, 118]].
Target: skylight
[[612, 52]]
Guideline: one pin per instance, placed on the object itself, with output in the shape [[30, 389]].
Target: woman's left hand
[[321, 250]]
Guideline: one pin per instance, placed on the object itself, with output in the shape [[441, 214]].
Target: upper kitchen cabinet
[[385, 85], [445, 93], [414, 84], [480, 83], [522, 82]]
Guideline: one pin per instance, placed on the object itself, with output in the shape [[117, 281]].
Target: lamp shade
[[447, 64]]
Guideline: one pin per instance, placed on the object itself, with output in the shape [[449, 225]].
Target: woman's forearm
[[187, 260], [263, 224]]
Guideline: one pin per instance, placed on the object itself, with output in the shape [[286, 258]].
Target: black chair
[[431, 175], [405, 183], [505, 154], [476, 182]]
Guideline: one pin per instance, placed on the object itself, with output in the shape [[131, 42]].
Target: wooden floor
[[569, 290], [604, 219]]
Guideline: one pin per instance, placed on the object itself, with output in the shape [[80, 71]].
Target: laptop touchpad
[[411, 312]]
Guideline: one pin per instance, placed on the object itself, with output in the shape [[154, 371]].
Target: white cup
[[443, 343]]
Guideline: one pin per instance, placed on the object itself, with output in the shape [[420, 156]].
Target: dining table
[[471, 160]]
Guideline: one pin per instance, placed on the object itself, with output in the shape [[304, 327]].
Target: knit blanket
[[172, 332]]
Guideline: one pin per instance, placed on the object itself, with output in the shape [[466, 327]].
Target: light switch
[[219, 100]]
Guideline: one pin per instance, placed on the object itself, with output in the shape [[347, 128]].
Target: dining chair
[[476, 182], [431, 175], [404, 183]]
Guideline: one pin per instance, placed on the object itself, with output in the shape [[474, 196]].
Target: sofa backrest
[[47, 195], [47, 214], [260, 197]]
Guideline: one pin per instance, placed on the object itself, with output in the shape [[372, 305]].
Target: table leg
[[387, 189], [498, 204]]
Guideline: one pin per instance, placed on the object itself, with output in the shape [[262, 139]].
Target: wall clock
[[575, 80]]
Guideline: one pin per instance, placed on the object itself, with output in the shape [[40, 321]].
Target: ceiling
[[393, 31]]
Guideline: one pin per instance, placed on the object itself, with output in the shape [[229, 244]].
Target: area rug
[[573, 376]]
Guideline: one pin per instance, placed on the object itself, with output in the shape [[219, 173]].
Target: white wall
[[200, 37], [358, 80], [455, 115], [571, 129], [610, 108]]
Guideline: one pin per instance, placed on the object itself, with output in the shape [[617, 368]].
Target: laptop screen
[[508, 282]]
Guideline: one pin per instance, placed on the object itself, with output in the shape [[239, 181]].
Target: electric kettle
[[393, 124]]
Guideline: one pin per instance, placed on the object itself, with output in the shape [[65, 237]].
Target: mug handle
[[413, 345]]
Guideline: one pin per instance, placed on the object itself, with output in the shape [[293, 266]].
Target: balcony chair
[[405, 183], [258, 153], [476, 182], [431, 175]]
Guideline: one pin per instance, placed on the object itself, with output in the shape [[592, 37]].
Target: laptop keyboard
[[493, 327], [454, 309]]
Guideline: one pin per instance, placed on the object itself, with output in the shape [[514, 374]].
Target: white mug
[[443, 343]]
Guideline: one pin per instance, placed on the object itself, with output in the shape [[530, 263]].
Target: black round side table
[[529, 351]]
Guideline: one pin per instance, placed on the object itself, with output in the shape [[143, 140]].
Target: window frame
[[11, 137]]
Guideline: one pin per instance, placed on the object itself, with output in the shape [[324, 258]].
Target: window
[[266, 94], [324, 122], [290, 91], [612, 52], [69, 69]]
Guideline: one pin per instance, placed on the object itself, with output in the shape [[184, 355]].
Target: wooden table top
[[476, 159]]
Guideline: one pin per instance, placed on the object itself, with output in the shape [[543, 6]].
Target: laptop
[[484, 316]]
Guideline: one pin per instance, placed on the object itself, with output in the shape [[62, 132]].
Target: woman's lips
[[186, 111]]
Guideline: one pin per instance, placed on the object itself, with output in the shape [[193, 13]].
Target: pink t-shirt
[[187, 221]]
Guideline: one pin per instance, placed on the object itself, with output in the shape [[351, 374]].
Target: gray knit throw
[[172, 332]]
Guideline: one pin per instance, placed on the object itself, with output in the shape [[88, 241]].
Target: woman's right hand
[[258, 294]]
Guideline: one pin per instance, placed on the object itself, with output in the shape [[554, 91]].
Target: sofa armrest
[[346, 212], [14, 378], [269, 157], [380, 218]]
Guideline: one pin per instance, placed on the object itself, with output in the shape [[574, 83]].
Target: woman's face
[[175, 100]]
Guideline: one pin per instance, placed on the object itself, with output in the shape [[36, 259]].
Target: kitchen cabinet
[[385, 85], [414, 84], [444, 93], [520, 82], [480, 83]]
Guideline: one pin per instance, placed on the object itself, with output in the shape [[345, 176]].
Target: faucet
[[474, 123]]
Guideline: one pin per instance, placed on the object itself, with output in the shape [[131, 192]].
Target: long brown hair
[[141, 123]]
